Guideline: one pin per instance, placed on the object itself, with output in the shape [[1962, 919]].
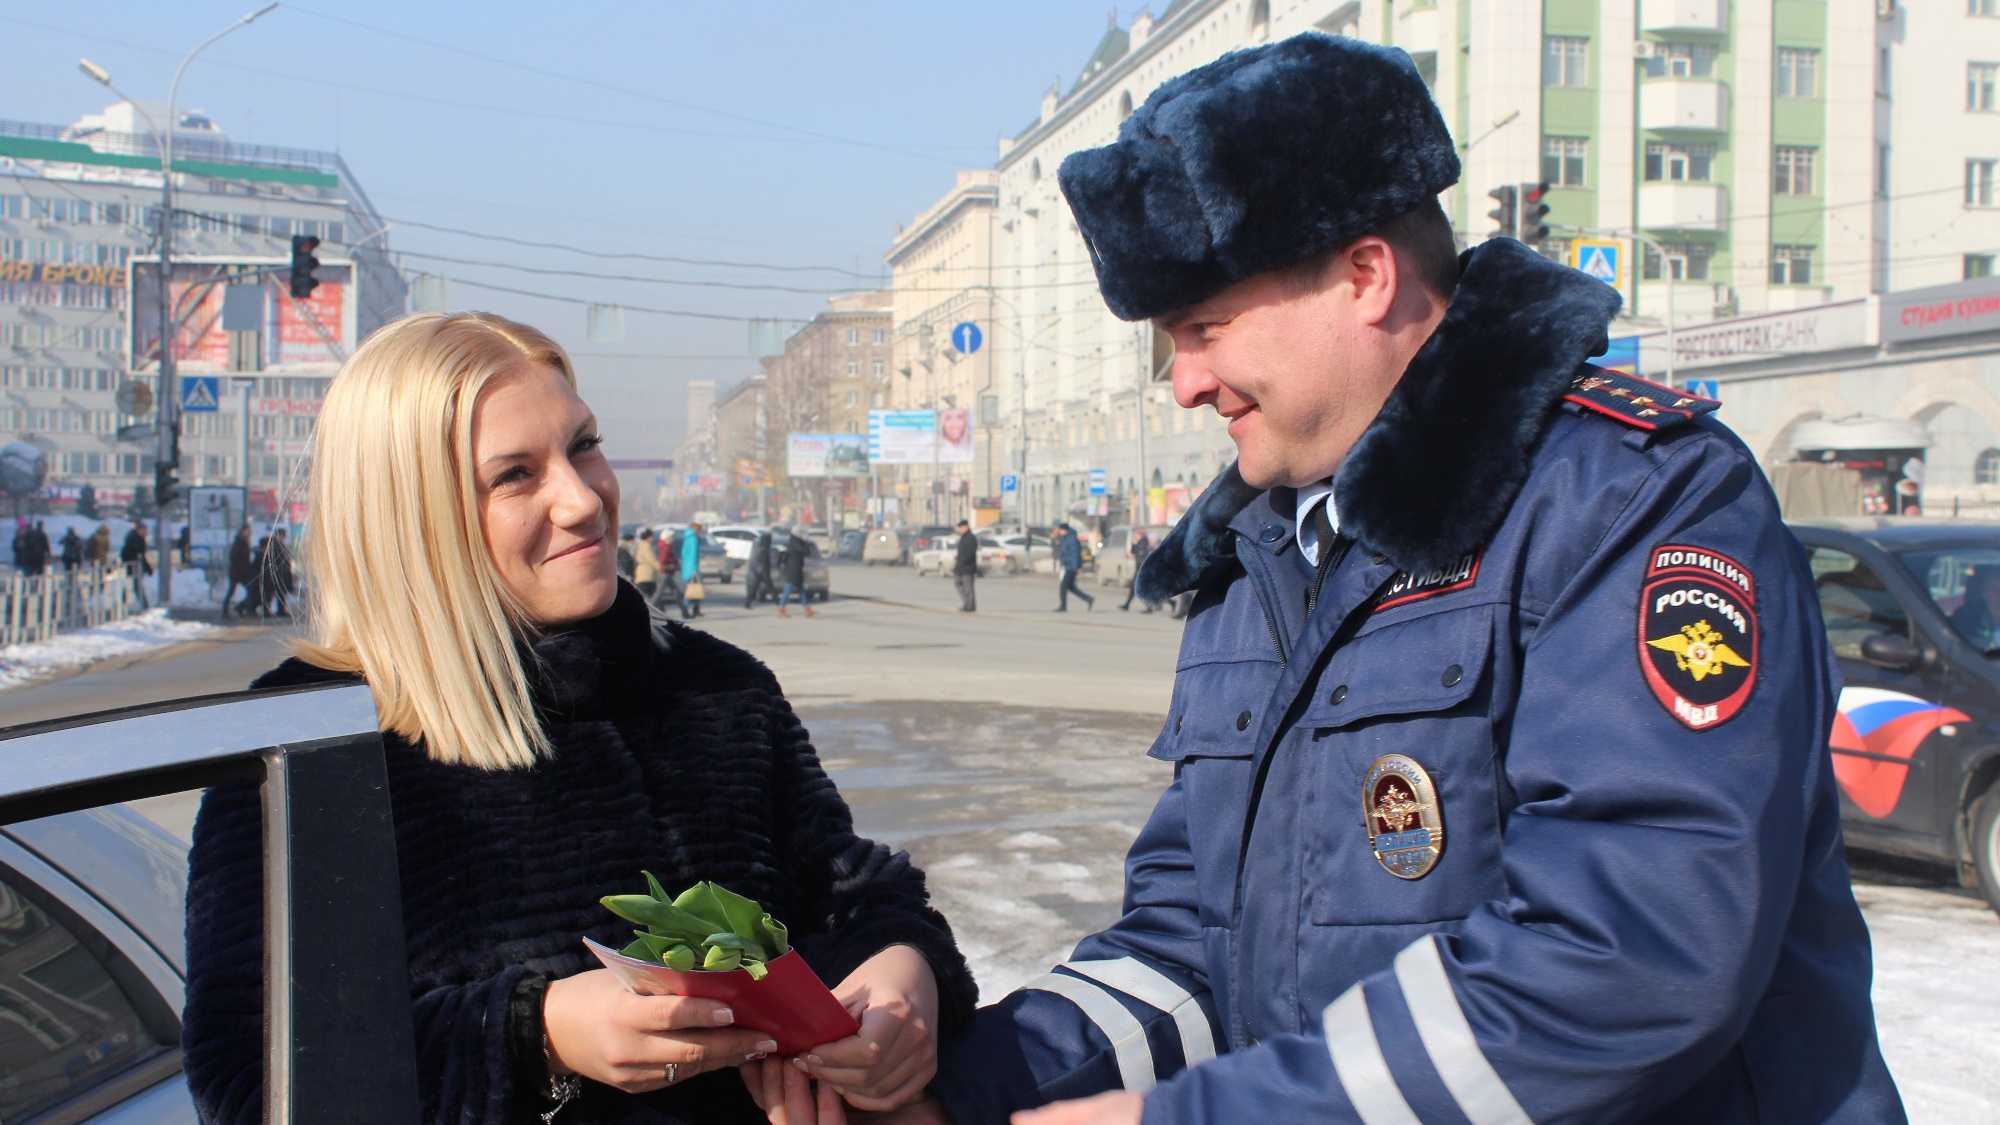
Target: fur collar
[[1435, 472]]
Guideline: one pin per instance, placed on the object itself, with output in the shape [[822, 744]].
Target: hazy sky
[[792, 133]]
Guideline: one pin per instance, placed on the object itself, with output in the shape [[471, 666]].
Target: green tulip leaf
[[654, 888], [756, 969], [721, 959], [664, 918], [774, 935], [638, 951]]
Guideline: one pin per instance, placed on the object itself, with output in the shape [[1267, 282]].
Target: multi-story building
[[823, 383], [941, 273], [742, 448], [1760, 156], [76, 204]]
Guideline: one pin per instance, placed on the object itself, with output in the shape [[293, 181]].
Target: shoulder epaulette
[[1639, 403]]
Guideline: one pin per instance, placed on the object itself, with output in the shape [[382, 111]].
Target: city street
[[1006, 750]]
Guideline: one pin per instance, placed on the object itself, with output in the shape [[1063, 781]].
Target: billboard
[[843, 456], [214, 514], [293, 337], [919, 437]]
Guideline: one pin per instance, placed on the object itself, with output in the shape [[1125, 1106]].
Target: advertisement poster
[[842, 456], [955, 437], [289, 337], [920, 437], [214, 514], [307, 331]]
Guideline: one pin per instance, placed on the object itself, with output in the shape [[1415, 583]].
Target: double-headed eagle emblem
[[1700, 651]]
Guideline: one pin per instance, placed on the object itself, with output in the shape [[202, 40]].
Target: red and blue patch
[[1875, 734]]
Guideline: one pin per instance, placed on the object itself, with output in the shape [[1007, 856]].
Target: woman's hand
[[893, 996], [788, 1097], [603, 1031]]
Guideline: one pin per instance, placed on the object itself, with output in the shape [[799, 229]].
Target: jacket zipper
[[1326, 566], [1265, 596]]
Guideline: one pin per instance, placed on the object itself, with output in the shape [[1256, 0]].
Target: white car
[[736, 540], [993, 558], [1026, 550]]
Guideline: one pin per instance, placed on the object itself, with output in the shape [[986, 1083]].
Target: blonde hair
[[402, 589]]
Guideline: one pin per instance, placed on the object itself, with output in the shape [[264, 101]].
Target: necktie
[[1322, 531]]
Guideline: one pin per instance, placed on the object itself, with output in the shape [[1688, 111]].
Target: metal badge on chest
[[1404, 816]]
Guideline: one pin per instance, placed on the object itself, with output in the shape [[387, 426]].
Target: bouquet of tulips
[[708, 926]]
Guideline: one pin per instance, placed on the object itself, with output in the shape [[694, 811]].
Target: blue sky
[[788, 133]]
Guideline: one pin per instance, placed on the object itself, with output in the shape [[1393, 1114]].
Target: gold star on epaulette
[[1649, 412], [1620, 392], [1680, 402], [1642, 400]]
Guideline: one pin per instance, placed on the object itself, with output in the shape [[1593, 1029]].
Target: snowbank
[[152, 629]]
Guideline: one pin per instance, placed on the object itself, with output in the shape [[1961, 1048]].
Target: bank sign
[[1752, 339], [1959, 309]]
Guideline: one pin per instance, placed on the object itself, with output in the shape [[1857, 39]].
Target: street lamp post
[[168, 400]]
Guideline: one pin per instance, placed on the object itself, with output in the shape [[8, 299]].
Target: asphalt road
[[1006, 750]]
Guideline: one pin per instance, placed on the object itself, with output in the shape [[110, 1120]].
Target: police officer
[[1500, 789]]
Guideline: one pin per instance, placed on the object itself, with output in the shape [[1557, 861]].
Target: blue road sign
[[1706, 388], [1009, 482], [1097, 482], [966, 337], [201, 394], [1600, 262]]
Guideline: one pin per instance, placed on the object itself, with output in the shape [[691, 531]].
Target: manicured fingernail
[[815, 1060], [800, 1064], [723, 1015], [766, 1046], [757, 1056]]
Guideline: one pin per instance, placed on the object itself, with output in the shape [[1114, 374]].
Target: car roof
[[1909, 533], [131, 865]]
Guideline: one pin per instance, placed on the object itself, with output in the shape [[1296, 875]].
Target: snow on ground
[[1937, 958], [67, 651]]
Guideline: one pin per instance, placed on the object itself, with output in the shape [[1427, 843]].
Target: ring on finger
[[673, 1073]]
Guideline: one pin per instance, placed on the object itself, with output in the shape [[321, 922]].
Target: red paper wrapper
[[791, 1004]]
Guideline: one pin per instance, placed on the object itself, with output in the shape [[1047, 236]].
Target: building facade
[[941, 275], [1758, 156], [77, 203], [824, 382]]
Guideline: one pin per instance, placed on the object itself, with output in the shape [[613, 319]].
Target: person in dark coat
[[1141, 547], [184, 544], [97, 549], [608, 743], [241, 571], [965, 567], [275, 574], [137, 565], [757, 577], [72, 550], [789, 559], [31, 553], [1498, 734], [1069, 561]]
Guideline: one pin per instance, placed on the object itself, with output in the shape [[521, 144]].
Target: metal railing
[[186, 146], [36, 607]]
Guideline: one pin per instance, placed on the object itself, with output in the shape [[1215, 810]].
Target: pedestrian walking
[[242, 571], [72, 550], [692, 591], [645, 572], [790, 556], [20, 543], [1500, 788], [137, 566], [965, 568], [757, 576], [184, 546], [97, 552], [1140, 548], [628, 557], [1069, 561], [275, 574], [31, 551], [545, 739]]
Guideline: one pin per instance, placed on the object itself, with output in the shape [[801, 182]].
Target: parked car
[[715, 560], [1114, 558], [736, 540], [1026, 548], [884, 546], [851, 543], [819, 578], [1912, 613], [931, 535], [993, 558]]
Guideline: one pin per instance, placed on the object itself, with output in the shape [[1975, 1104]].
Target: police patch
[[1406, 587], [1698, 634], [1404, 817]]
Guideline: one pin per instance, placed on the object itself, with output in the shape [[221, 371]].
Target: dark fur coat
[[675, 753]]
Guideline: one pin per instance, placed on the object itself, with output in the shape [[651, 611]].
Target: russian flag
[[1878, 721]]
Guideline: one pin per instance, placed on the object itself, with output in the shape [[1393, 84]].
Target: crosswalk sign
[[1600, 258], [201, 394]]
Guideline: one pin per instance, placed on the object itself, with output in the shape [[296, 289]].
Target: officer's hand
[[1120, 1107], [893, 996], [788, 1097]]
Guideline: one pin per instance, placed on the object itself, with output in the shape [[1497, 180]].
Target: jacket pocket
[[1421, 689], [1210, 736]]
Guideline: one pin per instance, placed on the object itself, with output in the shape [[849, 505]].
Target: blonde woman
[[547, 738]]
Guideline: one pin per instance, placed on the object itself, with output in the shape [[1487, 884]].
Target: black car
[[851, 543], [1912, 611]]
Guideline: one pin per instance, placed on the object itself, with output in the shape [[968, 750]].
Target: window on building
[[853, 336], [1565, 60], [1978, 265], [1685, 261], [1798, 72], [853, 369], [853, 399], [1979, 183], [1986, 468], [1791, 265], [1980, 80], [1792, 170], [1882, 171], [1681, 60], [1562, 160], [1679, 163], [881, 335], [876, 369]]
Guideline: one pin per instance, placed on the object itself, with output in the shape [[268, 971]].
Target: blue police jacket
[[1517, 808]]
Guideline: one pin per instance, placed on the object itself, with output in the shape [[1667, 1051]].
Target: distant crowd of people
[[667, 569]]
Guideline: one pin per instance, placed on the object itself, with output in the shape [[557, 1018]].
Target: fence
[[37, 607]]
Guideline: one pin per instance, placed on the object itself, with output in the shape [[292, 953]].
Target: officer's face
[[1298, 370]]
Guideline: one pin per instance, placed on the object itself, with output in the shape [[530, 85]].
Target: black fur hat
[[1254, 162]]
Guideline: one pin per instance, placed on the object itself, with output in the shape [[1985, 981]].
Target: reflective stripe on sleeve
[[1143, 982], [1128, 1038], [1448, 1039], [1358, 1062]]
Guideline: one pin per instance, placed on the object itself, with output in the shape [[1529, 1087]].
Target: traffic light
[[1533, 212], [1506, 217], [166, 483], [303, 265]]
